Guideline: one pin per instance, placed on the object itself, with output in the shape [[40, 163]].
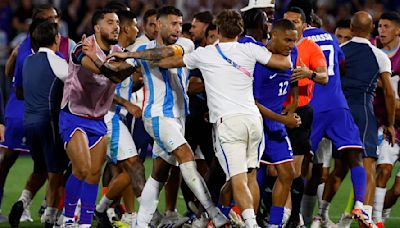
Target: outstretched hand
[[88, 47], [118, 55]]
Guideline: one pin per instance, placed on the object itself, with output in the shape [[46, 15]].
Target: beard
[[105, 37]]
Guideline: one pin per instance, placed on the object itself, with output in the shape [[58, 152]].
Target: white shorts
[[387, 153], [324, 153], [198, 154], [238, 142], [120, 142], [168, 135]]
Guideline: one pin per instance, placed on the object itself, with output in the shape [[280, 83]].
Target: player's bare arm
[[390, 103], [291, 120], [115, 71], [279, 62], [10, 65], [320, 75], [150, 54]]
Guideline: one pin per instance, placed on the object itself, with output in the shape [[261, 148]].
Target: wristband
[[178, 50]]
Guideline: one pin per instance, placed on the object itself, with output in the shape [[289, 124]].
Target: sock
[[287, 212], [386, 213], [26, 197], [320, 192], [307, 207], [368, 211], [296, 192], [378, 204], [249, 217], [359, 180], [323, 209], [276, 215], [350, 203], [150, 194], [50, 215], [73, 190], [197, 185], [104, 204], [85, 225], [88, 203], [104, 190], [224, 210]]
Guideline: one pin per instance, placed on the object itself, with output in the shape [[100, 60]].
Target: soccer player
[[19, 210], [231, 103], [356, 83], [43, 76], [150, 28], [164, 113], [342, 31], [389, 31], [128, 179], [88, 94], [278, 150], [312, 68]]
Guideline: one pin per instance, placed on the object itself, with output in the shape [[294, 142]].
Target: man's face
[[388, 31], [295, 18], [108, 28], [343, 34], [198, 30], [150, 28], [170, 28], [284, 41], [212, 37], [50, 14], [131, 30]]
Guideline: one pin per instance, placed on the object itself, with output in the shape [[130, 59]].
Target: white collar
[[358, 39], [47, 50]]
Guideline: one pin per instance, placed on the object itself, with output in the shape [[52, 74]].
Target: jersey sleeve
[[383, 61], [59, 66], [77, 54], [186, 44], [192, 60], [317, 56], [260, 53], [19, 63]]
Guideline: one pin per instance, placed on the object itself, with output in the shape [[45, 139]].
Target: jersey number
[[283, 88], [330, 57]]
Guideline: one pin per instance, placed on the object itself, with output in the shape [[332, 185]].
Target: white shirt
[[57, 64], [165, 89], [229, 90]]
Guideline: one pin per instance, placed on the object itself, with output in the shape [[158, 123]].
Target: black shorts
[[300, 136]]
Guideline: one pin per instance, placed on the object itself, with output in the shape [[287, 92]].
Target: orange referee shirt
[[312, 56]]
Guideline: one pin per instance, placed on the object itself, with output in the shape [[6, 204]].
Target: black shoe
[[293, 222], [102, 220], [48, 225], [16, 213]]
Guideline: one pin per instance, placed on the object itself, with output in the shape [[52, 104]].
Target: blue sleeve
[[19, 63]]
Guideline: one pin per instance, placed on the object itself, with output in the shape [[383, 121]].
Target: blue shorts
[[337, 125], [278, 149], [14, 135], [94, 129], [46, 146], [366, 121]]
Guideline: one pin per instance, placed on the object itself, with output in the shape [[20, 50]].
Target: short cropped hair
[[343, 24], [299, 11], [204, 17], [391, 16], [210, 27], [229, 23], [45, 34], [125, 16], [149, 13], [99, 15], [168, 10], [283, 25], [40, 8]]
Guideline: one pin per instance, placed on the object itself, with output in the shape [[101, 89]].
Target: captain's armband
[[178, 49]]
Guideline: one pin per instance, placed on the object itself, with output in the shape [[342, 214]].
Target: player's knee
[[287, 176], [384, 173]]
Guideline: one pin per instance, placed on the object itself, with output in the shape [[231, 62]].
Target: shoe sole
[[362, 223], [15, 214]]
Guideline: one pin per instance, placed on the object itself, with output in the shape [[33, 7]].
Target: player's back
[[330, 96]]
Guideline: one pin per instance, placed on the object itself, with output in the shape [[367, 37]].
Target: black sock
[[297, 191]]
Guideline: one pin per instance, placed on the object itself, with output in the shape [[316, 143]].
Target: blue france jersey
[[270, 86], [330, 96]]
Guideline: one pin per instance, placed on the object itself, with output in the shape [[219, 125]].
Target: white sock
[[323, 209], [307, 207], [359, 205], [286, 214], [249, 218], [320, 192], [150, 195], [368, 210], [85, 225], [50, 214], [26, 197], [104, 204], [197, 185], [386, 213], [378, 204]]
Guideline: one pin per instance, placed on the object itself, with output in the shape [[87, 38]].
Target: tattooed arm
[[150, 54]]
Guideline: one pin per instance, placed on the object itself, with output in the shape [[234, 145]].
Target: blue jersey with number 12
[[330, 96]]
